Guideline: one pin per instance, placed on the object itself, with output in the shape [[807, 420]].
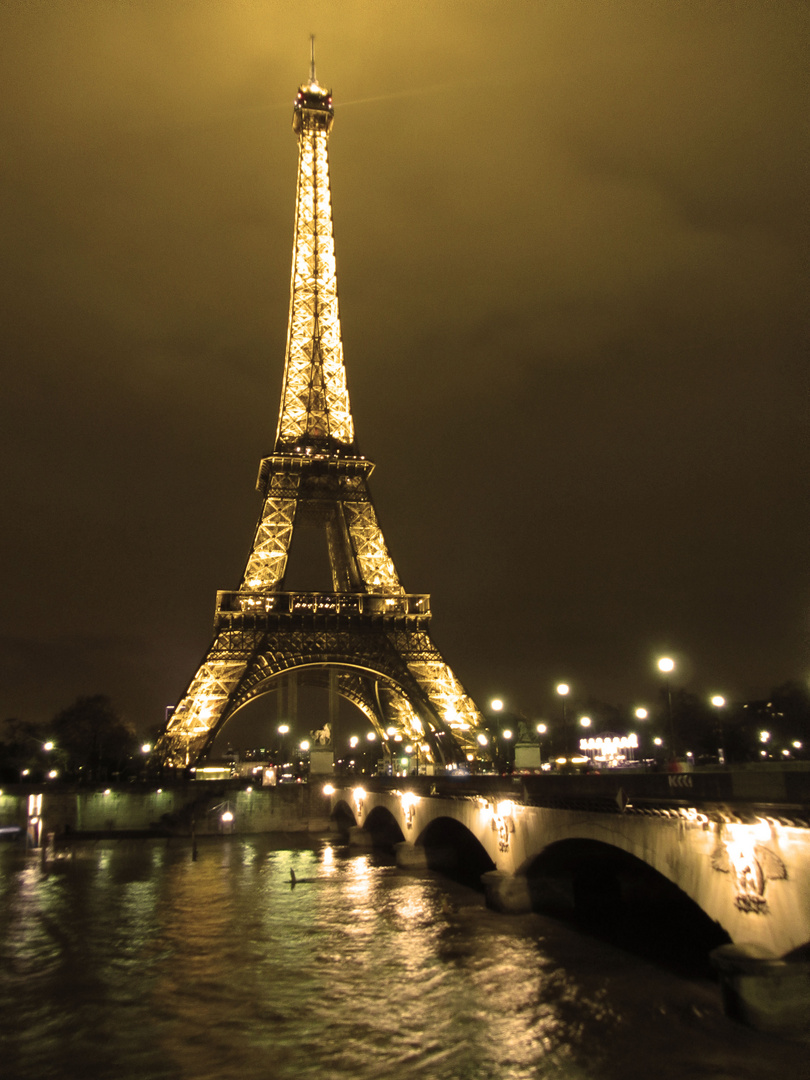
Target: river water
[[134, 961]]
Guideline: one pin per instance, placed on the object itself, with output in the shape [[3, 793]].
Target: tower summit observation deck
[[366, 639]]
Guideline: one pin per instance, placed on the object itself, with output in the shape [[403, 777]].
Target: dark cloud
[[571, 243]]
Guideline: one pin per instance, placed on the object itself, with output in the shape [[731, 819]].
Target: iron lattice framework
[[367, 638]]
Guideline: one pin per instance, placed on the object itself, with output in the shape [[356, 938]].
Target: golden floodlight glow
[[482, 740], [359, 796], [718, 701], [328, 789], [666, 664], [505, 808]]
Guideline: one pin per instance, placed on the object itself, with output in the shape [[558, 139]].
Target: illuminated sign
[[610, 746]]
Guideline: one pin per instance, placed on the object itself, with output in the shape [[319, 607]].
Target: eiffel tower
[[367, 640]]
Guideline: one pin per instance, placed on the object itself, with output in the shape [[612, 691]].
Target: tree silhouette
[[93, 738]]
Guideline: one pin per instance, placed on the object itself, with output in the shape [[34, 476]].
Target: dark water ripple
[[132, 960]]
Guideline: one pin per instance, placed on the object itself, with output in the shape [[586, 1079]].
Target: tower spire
[[315, 407], [312, 78]]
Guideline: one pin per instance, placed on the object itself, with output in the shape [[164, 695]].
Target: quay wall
[[204, 806]]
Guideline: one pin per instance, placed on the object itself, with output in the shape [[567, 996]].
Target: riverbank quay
[[184, 807]]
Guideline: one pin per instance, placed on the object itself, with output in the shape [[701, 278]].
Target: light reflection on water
[[135, 961]]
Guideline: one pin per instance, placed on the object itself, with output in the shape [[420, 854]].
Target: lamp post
[[666, 665], [283, 729], [642, 714], [541, 731], [563, 689], [506, 735], [719, 703]]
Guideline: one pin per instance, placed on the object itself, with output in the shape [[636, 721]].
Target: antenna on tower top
[[312, 58]]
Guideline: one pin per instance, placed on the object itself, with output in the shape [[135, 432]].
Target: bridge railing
[[740, 791]]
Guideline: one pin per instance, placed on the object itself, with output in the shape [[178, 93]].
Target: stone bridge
[[737, 843]]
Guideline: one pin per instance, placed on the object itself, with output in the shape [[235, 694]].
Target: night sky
[[571, 243]]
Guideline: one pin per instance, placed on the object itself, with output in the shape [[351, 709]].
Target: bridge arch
[[384, 828], [453, 849], [343, 816], [622, 898]]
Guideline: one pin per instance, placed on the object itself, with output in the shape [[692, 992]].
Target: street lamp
[[563, 689], [496, 704], [719, 702], [541, 731], [506, 735], [666, 665]]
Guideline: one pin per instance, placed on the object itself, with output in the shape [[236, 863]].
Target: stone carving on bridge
[[408, 801], [502, 821], [741, 853]]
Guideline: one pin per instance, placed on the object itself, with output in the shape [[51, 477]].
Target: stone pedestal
[[506, 892], [764, 992], [410, 856]]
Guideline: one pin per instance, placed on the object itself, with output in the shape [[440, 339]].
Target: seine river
[[134, 961]]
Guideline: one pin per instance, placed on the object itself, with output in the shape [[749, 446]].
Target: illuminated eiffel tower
[[368, 640]]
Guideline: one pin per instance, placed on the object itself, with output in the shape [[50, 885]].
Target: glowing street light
[[585, 721], [541, 730], [718, 701], [48, 746], [563, 689], [641, 713], [666, 665], [496, 704]]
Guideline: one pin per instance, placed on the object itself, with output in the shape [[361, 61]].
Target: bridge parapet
[[731, 795]]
